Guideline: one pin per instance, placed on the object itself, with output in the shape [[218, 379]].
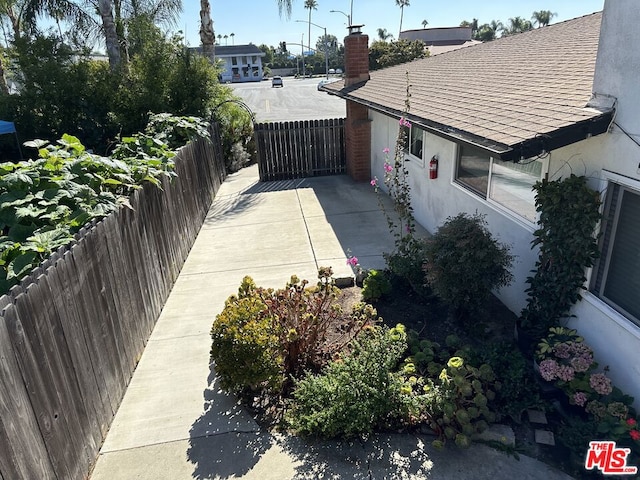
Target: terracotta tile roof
[[500, 93]]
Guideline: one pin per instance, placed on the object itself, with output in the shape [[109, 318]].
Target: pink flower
[[635, 434], [353, 261], [385, 150], [600, 383], [549, 369], [387, 167], [631, 422], [580, 398], [374, 182], [405, 123]]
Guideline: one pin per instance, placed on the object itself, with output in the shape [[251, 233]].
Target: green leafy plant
[[355, 393], [244, 347], [519, 389], [464, 263], [569, 212], [376, 285]]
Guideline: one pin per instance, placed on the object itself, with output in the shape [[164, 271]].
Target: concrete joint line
[[306, 227]]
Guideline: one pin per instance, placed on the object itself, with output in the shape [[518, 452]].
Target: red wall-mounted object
[[433, 168]]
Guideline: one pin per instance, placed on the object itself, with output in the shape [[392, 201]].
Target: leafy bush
[[452, 396], [244, 347], [519, 388], [464, 263], [376, 285], [569, 212], [355, 393]]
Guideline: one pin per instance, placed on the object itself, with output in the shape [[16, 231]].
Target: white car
[[277, 82]]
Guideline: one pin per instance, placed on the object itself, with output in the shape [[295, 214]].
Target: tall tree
[[383, 35], [105, 8], [233, 40], [311, 5], [517, 25], [488, 31], [207, 35], [424, 23], [285, 6], [401, 4], [473, 24], [542, 18]]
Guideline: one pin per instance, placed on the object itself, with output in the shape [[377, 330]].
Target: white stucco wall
[[615, 339]]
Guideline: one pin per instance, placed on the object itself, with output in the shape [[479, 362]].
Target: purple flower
[[405, 123], [600, 383], [385, 150], [387, 167], [580, 398], [374, 182], [561, 350], [353, 261], [565, 373], [548, 369], [581, 364]]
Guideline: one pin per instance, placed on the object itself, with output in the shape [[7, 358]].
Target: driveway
[[298, 99]]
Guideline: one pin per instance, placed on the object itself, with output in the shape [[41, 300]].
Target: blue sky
[[258, 21]]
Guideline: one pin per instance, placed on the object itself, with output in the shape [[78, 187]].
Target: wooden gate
[[300, 149]]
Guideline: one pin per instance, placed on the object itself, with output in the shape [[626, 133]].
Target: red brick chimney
[[358, 125]]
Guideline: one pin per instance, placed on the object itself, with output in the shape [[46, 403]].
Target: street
[[298, 99]]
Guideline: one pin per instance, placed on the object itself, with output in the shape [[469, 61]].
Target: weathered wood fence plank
[[310, 148], [73, 331]]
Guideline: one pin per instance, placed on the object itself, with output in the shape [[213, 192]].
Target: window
[[415, 139], [512, 185], [508, 184], [617, 276], [234, 60], [473, 169]]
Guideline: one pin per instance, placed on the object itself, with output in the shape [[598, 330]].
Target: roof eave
[[529, 148]]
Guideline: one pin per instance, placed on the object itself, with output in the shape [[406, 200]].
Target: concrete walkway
[[174, 423]]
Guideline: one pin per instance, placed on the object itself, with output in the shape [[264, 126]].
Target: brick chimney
[[358, 125]]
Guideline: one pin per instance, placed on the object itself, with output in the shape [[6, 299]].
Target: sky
[[258, 21]]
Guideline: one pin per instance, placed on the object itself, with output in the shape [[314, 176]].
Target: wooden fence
[[72, 332], [310, 148]]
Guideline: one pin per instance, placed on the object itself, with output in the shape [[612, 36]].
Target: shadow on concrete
[[229, 207], [225, 441], [276, 186]]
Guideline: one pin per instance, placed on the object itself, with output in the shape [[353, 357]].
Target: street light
[[326, 48], [345, 14]]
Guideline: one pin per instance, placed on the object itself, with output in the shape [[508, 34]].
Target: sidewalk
[[174, 423]]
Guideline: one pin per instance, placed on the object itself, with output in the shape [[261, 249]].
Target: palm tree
[[219, 39], [226, 41], [424, 23], [311, 5], [517, 25], [105, 8], [401, 4], [285, 6], [543, 17], [384, 35], [232, 35], [207, 35]]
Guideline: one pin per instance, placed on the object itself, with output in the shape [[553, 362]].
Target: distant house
[[498, 117], [441, 40], [242, 63]]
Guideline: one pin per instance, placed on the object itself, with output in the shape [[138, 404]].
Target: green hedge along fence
[[72, 332]]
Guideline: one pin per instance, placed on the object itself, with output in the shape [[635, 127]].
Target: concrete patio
[[174, 423]]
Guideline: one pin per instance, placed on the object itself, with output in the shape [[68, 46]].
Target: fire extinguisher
[[433, 168]]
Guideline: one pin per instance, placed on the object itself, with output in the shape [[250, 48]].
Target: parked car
[[338, 70], [277, 82], [331, 70]]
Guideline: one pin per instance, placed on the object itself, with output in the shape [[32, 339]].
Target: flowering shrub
[[568, 362]]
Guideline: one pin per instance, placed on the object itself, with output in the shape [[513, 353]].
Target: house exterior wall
[[615, 339], [236, 72]]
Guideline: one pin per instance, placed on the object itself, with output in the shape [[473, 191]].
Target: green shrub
[[375, 286], [244, 346], [519, 388], [355, 393], [464, 263]]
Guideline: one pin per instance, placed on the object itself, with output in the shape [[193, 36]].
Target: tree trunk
[[207, 35], [110, 33], [4, 88]]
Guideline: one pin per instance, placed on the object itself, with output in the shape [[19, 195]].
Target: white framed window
[[415, 143], [508, 184], [616, 278]]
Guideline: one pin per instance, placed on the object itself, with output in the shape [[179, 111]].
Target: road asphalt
[[175, 423]]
